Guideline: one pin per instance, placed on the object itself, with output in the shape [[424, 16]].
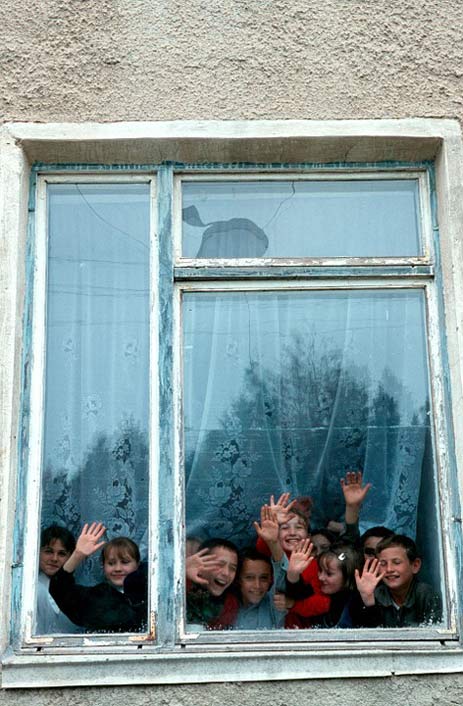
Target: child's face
[[370, 546], [330, 576], [255, 580], [320, 544], [292, 532], [116, 567], [223, 574], [399, 569], [52, 557]]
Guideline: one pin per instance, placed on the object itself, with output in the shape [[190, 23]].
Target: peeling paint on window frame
[[193, 653]]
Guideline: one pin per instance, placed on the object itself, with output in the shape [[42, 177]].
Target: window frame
[[190, 666]]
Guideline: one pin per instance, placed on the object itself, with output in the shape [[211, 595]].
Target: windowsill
[[248, 664]]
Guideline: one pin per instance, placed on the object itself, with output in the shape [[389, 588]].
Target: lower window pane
[[287, 392], [95, 457]]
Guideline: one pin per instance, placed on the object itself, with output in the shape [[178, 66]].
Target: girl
[[337, 580], [109, 606]]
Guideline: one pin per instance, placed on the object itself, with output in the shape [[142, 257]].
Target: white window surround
[[218, 142]]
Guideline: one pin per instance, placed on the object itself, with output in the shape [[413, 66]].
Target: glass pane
[[293, 219], [95, 454], [286, 392]]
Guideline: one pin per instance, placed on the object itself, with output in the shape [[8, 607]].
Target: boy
[[257, 591], [56, 546], [210, 573], [401, 600], [280, 537]]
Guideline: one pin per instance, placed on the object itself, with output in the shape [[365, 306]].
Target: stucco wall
[[445, 690], [111, 60], [229, 59]]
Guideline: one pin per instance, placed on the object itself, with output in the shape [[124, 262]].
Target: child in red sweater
[[283, 531]]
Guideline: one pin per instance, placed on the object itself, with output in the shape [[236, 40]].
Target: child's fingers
[[199, 579], [202, 552], [209, 562]]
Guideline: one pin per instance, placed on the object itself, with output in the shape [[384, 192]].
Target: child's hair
[[332, 537], [347, 559], [303, 507], [50, 534], [301, 514], [253, 554], [375, 532], [123, 547], [218, 542], [399, 540]]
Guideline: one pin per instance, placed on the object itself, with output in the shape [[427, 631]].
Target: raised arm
[[299, 560], [88, 543], [282, 507], [354, 495], [268, 531], [368, 580]]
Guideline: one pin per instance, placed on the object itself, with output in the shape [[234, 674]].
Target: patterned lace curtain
[[287, 390], [95, 458]]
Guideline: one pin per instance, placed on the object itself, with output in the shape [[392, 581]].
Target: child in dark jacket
[[109, 606], [392, 594]]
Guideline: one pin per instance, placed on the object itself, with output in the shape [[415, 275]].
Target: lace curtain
[[286, 391], [96, 412]]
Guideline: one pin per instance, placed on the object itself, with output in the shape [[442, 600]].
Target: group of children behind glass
[[293, 577]]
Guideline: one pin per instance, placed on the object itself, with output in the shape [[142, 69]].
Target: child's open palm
[[300, 558], [368, 580], [90, 538], [268, 528]]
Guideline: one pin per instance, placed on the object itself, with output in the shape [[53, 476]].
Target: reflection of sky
[[364, 218], [374, 331], [97, 314]]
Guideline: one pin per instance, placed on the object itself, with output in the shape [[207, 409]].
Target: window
[[204, 337]]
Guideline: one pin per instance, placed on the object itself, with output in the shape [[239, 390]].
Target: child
[[56, 546], [337, 580], [370, 539], [210, 573], [401, 600], [257, 590], [105, 607], [281, 538], [336, 575], [322, 539]]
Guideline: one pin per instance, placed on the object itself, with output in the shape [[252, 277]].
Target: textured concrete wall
[[445, 690], [67, 60], [110, 60]]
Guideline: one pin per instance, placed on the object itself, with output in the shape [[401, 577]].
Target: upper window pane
[[301, 218], [95, 429]]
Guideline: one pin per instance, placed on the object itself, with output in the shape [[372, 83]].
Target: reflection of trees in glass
[[298, 428], [111, 485]]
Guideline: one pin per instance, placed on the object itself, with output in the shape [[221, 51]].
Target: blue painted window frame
[[169, 275]]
